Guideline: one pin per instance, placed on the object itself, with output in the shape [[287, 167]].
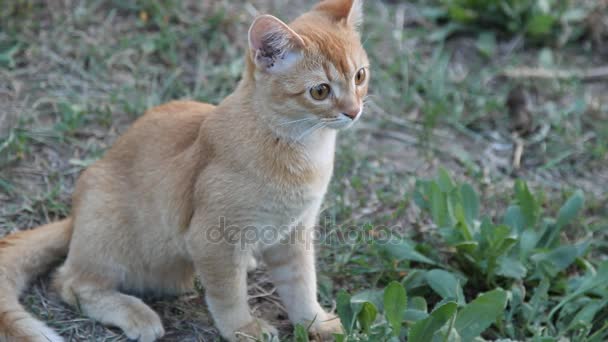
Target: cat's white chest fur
[[321, 150], [285, 208]]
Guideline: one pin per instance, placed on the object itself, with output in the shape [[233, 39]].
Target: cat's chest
[[276, 206], [296, 181], [280, 202], [247, 198], [282, 211], [276, 190]]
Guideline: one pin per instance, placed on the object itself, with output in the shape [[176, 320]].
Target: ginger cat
[[155, 210]]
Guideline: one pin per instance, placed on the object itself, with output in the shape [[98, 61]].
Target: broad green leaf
[[415, 279], [504, 240], [340, 337], [511, 268], [452, 236], [418, 303], [529, 207], [417, 310], [527, 242], [514, 218], [467, 246], [544, 339], [367, 316], [462, 224], [478, 315], [7, 57], [560, 258], [549, 234], [590, 282], [585, 316], [423, 331], [439, 207], [569, 310], [446, 285], [461, 13], [498, 239], [345, 310], [486, 43], [447, 333], [516, 300], [470, 203], [568, 212], [395, 303], [300, 333], [403, 250], [422, 194], [541, 24], [375, 296], [540, 296], [485, 236], [445, 181], [412, 315]]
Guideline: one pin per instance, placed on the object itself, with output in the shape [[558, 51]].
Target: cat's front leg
[[292, 268], [221, 264]]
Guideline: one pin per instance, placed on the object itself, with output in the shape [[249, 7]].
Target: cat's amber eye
[[320, 92], [360, 76]]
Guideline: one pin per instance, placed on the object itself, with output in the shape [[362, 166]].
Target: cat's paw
[[255, 331], [324, 328], [144, 326]]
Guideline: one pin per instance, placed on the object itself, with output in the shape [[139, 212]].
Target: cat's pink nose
[[352, 113]]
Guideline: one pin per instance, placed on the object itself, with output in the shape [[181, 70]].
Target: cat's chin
[[340, 128], [341, 124]]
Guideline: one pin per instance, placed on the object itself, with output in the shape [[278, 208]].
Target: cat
[[174, 195]]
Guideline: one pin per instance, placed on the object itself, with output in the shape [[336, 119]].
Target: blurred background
[[504, 103]]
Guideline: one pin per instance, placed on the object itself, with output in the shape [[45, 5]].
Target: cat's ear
[[274, 46], [349, 11]]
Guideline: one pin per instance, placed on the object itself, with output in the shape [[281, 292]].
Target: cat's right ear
[[274, 46]]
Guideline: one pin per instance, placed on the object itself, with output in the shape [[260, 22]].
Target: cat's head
[[314, 69]]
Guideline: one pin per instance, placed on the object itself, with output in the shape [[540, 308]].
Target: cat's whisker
[[294, 121], [329, 120], [316, 129], [305, 132], [310, 131]]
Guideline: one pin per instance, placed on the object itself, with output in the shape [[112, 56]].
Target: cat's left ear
[[274, 46], [349, 11]]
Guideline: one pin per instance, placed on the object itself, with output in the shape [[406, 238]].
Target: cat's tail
[[24, 256]]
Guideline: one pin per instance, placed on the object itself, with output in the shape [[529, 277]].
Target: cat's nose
[[352, 113]]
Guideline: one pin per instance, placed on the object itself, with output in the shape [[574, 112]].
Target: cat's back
[[165, 130], [150, 147]]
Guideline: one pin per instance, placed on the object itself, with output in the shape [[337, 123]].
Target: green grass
[[509, 276], [72, 78]]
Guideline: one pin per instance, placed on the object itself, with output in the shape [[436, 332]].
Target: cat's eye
[[360, 76], [320, 92]]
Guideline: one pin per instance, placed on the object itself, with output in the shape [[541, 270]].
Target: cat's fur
[[144, 216]]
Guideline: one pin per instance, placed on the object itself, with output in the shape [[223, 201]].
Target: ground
[[75, 74]]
